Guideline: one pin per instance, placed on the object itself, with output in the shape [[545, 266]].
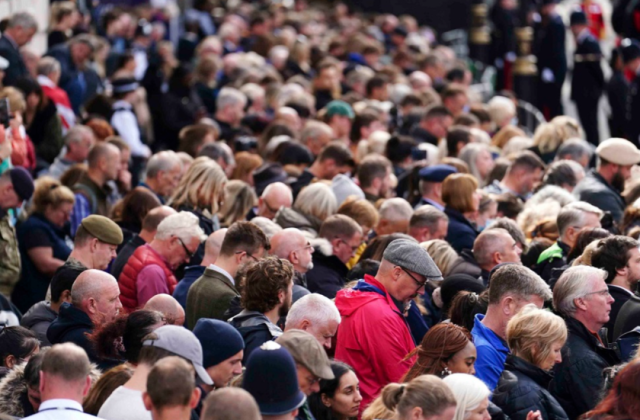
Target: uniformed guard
[[631, 57], [550, 51], [587, 82]]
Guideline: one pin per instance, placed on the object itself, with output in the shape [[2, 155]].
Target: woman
[[63, 19], [43, 241], [104, 387], [445, 349], [17, 345], [246, 164], [535, 338], [472, 397], [201, 192], [425, 398], [487, 210], [338, 398], [239, 200], [461, 206], [133, 208], [478, 157], [205, 82], [441, 253], [621, 402], [315, 203], [466, 305], [22, 149]]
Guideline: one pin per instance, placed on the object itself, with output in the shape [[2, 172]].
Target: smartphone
[[5, 112], [418, 154]]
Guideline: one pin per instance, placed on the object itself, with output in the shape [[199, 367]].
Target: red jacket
[[141, 258], [373, 337]]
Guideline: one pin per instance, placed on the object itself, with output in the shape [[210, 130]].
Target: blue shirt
[[191, 274], [492, 353]]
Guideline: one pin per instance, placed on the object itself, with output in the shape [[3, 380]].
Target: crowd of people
[[280, 210]]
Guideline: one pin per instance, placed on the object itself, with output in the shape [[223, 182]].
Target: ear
[[146, 399], [195, 397], [376, 183], [325, 400], [416, 414], [580, 303], [66, 296], [304, 325], [281, 296], [623, 272], [87, 386], [10, 361], [43, 381], [497, 257], [507, 305]]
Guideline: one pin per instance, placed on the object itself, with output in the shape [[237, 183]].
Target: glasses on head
[[420, 284], [186, 250], [603, 293], [248, 255]]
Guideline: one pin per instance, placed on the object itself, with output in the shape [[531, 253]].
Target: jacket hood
[[69, 318], [363, 293], [292, 218], [40, 312]]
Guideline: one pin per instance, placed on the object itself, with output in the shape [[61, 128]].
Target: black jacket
[[256, 329], [421, 135], [621, 297], [461, 233], [587, 82], [467, 264], [72, 325], [549, 47], [617, 91], [578, 378], [327, 275], [595, 190], [545, 268], [628, 317], [632, 130], [17, 68], [522, 388]]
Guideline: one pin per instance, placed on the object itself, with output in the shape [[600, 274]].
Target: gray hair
[[252, 91], [469, 154], [229, 97], [500, 108], [77, 133], [427, 216], [183, 225], [215, 151], [574, 149], [312, 130], [47, 66], [395, 210], [23, 20], [573, 214], [162, 161], [315, 308], [487, 243], [268, 226], [317, 200], [573, 285], [517, 280]]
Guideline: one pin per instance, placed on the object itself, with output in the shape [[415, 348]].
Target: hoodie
[[38, 319], [292, 218], [373, 337], [72, 325]]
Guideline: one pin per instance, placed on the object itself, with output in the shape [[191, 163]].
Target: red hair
[[623, 399]]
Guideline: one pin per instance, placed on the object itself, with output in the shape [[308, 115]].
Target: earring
[[445, 372]]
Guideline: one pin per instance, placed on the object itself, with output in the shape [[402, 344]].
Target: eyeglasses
[[248, 255], [304, 248], [186, 250], [603, 293], [353, 248], [421, 284]]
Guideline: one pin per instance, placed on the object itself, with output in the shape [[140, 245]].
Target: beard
[[284, 309], [310, 266], [617, 181]]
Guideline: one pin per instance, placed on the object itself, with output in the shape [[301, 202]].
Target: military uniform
[[9, 255], [550, 51], [633, 110]]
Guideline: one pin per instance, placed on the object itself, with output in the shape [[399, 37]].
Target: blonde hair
[[377, 410], [317, 200], [547, 138], [201, 187], [506, 133], [469, 392], [532, 331], [360, 210], [458, 191], [16, 99], [427, 392], [442, 254], [246, 163], [50, 192], [239, 200]]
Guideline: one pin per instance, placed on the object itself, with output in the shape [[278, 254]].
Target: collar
[[582, 36], [121, 104], [45, 81], [627, 291], [60, 404], [601, 179], [564, 247], [223, 272], [11, 41], [433, 203], [488, 334]]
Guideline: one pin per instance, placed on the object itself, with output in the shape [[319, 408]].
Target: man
[[572, 219], [171, 390], [95, 301], [549, 49], [16, 187], [377, 89], [582, 297], [577, 150], [211, 295], [149, 228], [150, 270], [229, 403], [126, 401], [21, 27], [230, 106], [164, 170], [334, 159], [290, 244], [316, 135], [312, 365], [430, 186], [512, 287], [428, 223], [619, 256], [455, 99], [395, 216], [522, 176], [192, 273], [630, 52], [339, 116], [374, 175], [494, 246], [273, 198], [194, 137], [220, 153], [330, 269], [95, 244], [64, 382], [316, 315], [458, 136], [222, 352], [272, 379], [91, 191], [376, 306], [42, 314], [266, 297], [587, 82], [602, 187], [433, 126], [169, 307], [78, 141]]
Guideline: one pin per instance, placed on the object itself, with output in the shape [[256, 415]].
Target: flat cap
[[436, 173], [22, 182], [342, 108], [308, 352], [411, 256], [629, 49], [618, 151], [104, 229]]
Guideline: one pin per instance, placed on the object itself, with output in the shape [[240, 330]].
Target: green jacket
[[9, 255], [209, 297], [553, 252]]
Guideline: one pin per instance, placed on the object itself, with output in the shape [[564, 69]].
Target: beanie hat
[[343, 187], [22, 182], [219, 341]]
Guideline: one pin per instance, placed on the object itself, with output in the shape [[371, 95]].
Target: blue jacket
[[492, 353], [461, 233], [191, 274], [72, 325]]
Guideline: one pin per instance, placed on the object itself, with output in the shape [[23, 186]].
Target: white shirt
[[61, 409], [124, 404], [223, 272], [126, 124]]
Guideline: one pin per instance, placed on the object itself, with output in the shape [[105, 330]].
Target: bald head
[[64, 373], [229, 403], [212, 246], [97, 294], [290, 244], [275, 196], [155, 216], [168, 306]]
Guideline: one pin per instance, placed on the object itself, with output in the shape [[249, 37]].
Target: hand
[[124, 177], [5, 143], [547, 76], [534, 415]]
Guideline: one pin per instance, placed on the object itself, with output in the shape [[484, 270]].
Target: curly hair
[[264, 281]]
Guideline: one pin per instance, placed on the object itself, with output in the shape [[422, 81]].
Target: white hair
[[277, 188], [517, 144], [317, 200], [77, 133], [252, 91], [267, 226], [183, 225], [279, 52], [398, 91], [315, 308], [501, 108], [395, 210], [163, 161], [229, 97], [469, 391], [573, 285]]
